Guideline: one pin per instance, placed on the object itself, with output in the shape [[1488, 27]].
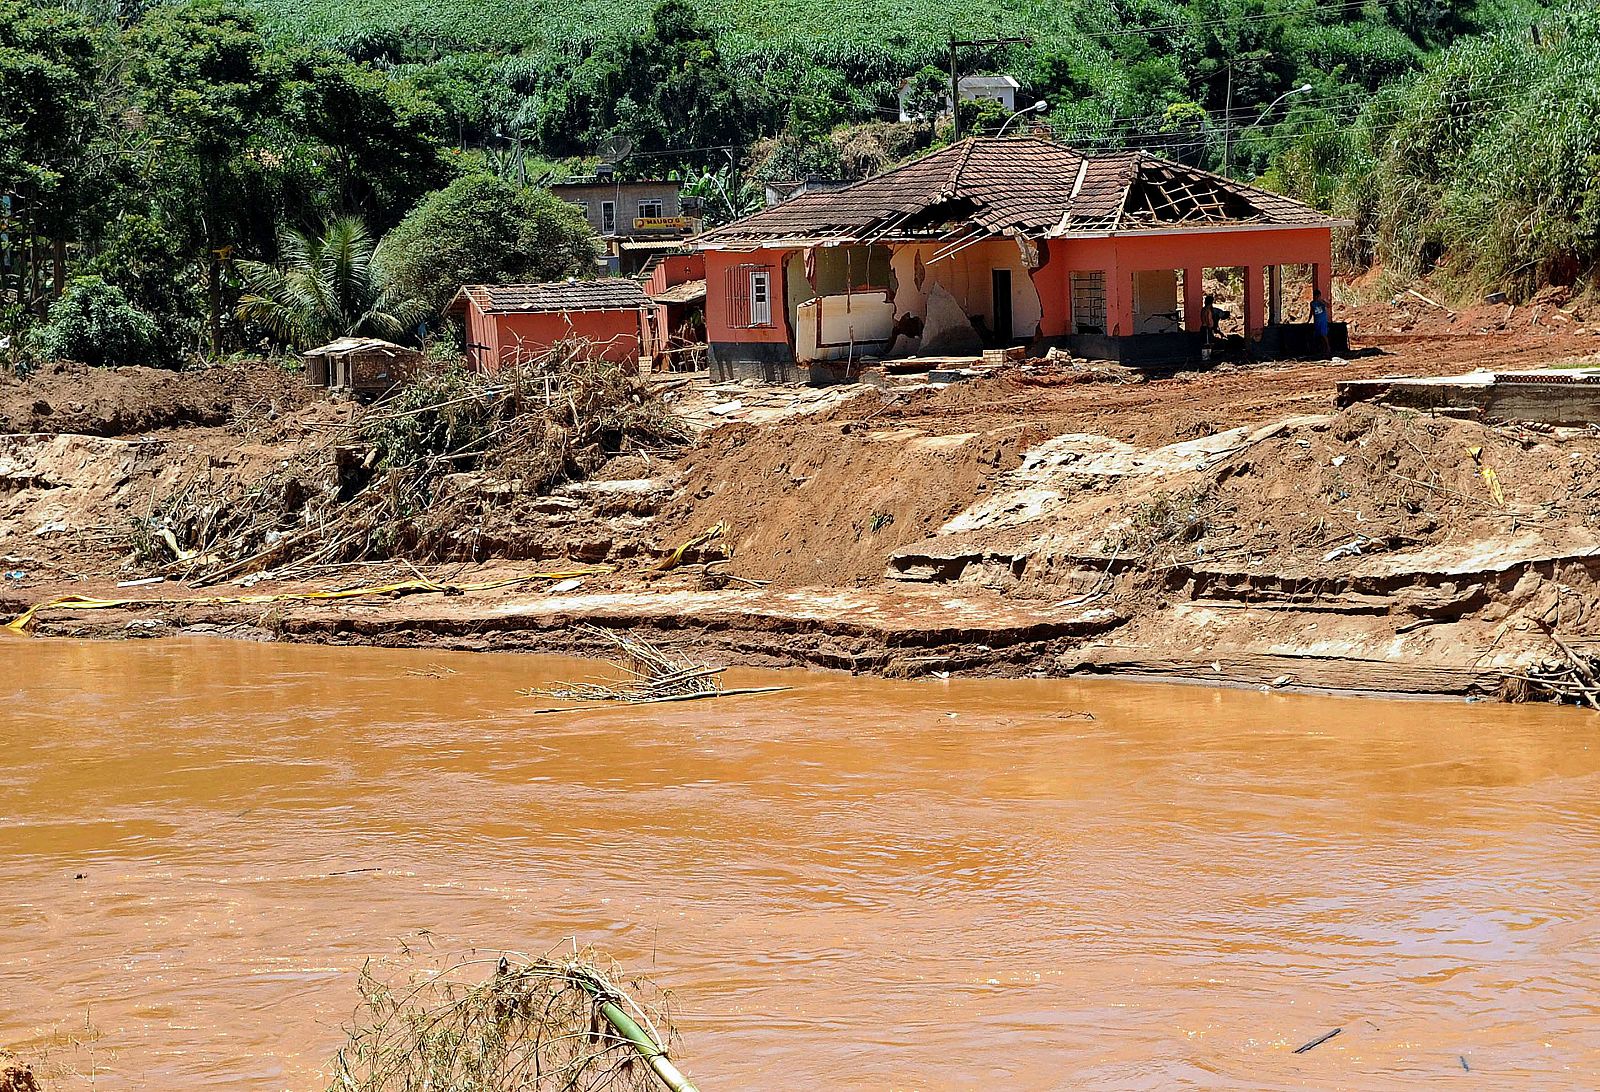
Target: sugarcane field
[[676, 546]]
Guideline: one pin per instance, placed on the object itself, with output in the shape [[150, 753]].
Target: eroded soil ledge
[[1227, 527]]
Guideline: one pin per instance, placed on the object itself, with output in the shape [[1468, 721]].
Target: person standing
[[1319, 321], [1208, 326]]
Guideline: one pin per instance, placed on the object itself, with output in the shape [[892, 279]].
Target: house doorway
[[1002, 306]]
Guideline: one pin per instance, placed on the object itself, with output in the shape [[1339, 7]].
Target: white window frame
[[608, 217], [652, 208], [760, 297]]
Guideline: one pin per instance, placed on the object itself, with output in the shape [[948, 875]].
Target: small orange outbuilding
[[508, 323]]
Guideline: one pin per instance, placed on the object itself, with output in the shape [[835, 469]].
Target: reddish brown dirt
[[1197, 403], [15, 1075], [827, 502], [102, 450], [822, 501], [826, 498], [73, 398]]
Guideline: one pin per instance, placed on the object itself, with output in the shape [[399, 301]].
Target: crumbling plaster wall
[[968, 276]]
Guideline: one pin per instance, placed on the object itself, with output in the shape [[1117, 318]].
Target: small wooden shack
[[361, 365]]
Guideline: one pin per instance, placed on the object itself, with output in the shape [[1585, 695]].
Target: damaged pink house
[[997, 242]]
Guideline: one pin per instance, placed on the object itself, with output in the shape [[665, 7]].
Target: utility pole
[[955, 74], [1227, 128]]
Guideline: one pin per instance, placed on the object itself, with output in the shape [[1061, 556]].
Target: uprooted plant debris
[[646, 674], [541, 1024], [1572, 677], [377, 488]]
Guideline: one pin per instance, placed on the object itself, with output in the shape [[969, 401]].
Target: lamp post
[[1037, 108], [1227, 158]]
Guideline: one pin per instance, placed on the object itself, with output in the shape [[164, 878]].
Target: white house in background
[[1001, 89]]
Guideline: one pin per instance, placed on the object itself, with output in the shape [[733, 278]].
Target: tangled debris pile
[[541, 1024], [379, 487], [1574, 678], [649, 674]]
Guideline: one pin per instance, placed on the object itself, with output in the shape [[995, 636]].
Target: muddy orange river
[[856, 883]]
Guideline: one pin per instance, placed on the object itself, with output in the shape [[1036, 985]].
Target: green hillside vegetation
[[156, 160], [1110, 68], [1485, 167]]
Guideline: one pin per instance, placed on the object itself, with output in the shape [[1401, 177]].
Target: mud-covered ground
[[1229, 525]]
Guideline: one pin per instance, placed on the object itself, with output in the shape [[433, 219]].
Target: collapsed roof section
[[1019, 186]]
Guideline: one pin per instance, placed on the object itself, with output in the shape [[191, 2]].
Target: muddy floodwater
[[857, 883]]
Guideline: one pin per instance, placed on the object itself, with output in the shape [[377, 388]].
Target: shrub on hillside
[[94, 323]]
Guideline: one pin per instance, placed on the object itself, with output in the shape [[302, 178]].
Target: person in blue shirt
[[1319, 320]]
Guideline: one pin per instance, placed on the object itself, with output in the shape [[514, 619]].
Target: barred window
[[750, 296], [1089, 303]]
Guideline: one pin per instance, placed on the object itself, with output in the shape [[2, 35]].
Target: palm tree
[[325, 287]]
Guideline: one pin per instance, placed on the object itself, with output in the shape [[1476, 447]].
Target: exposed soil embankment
[[73, 398], [1226, 526], [825, 502]]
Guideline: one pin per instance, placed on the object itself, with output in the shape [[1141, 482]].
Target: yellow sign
[[657, 223]]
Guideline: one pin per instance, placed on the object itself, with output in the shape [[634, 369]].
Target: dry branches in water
[[544, 1024], [648, 672]]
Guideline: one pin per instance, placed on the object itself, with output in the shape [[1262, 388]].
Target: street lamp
[[1037, 108], [1227, 163]]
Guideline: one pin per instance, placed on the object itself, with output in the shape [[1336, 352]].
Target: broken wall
[[968, 275]]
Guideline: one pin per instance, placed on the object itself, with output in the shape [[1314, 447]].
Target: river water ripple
[[857, 883]]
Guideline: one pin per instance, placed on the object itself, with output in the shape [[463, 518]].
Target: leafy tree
[[927, 95], [48, 116], [376, 137], [325, 287], [482, 230], [1433, 22], [982, 117], [47, 57], [94, 323], [723, 196], [666, 91], [207, 87], [135, 254]]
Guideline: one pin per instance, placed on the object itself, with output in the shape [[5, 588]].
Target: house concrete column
[[1194, 295], [1119, 300], [1254, 303], [1275, 295], [1322, 279]]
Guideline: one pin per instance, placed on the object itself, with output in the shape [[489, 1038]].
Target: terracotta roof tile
[[1018, 186], [613, 294]]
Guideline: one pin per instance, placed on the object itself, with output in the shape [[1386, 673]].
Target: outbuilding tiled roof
[[612, 294], [1024, 186]]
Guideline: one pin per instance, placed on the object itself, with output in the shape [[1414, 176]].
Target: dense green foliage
[[188, 152], [1487, 163], [482, 230], [163, 153], [93, 322], [1109, 67]]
